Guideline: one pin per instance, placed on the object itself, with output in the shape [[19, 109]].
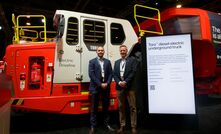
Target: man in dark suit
[[124, 72], [100, 73]]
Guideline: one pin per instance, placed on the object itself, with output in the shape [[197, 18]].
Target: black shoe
[[120, 130], [134, 130], [91, 131], [110, 128]]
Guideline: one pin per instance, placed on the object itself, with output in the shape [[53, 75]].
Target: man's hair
[[99, 47], [122, 46]]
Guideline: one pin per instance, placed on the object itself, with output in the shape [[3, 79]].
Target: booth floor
[[208, 122]]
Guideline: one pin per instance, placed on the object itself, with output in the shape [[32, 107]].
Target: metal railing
[[145, 17], [22, 31]]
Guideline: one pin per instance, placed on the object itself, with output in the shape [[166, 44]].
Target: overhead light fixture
[[0, 27], [178, 6], [28, 23], [43, 20]]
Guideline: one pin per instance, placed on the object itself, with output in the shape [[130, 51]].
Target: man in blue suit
[[124, 73], [100, 73]]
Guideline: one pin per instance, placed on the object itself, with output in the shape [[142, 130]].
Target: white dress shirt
[[101, 62]]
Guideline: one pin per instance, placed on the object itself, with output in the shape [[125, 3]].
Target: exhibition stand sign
[[170, 81]]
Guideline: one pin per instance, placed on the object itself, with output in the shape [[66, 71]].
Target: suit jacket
[[94, 72], [129, 72]]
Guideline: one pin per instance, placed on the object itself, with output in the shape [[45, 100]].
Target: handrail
[[19, 28], [15, 37], [22, 34], [155, 18], [47, 32]]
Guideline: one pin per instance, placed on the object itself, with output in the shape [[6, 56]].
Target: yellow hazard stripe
[[84, 108], [84, 92], [87, 107], [17, 101]]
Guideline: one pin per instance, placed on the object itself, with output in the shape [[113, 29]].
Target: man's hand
[[103, 85], [123, 84]]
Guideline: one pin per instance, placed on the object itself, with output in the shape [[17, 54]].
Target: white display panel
[[170, 74]]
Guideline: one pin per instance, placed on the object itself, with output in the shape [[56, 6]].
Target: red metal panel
[[17, 58]]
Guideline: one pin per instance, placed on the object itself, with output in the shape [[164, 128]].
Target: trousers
[[104, 96], [131, 97]]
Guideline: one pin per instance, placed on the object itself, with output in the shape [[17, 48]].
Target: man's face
[[100, 52], [123, 52]]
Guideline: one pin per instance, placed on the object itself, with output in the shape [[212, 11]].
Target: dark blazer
[[129, 73], [94, 72]]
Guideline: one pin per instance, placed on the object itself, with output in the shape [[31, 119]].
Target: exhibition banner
[[170, 79], [215, 26]]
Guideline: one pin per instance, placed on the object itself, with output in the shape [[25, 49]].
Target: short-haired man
[[124, 72], [100, 73]]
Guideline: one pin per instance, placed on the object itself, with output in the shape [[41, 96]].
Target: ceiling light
[[28, 23], [178, 6], [43, 20], [0, 27]]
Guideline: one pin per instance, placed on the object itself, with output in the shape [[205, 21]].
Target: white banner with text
[[170, 74]]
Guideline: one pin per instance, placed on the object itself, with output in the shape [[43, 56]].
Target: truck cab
[[52, 76]]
